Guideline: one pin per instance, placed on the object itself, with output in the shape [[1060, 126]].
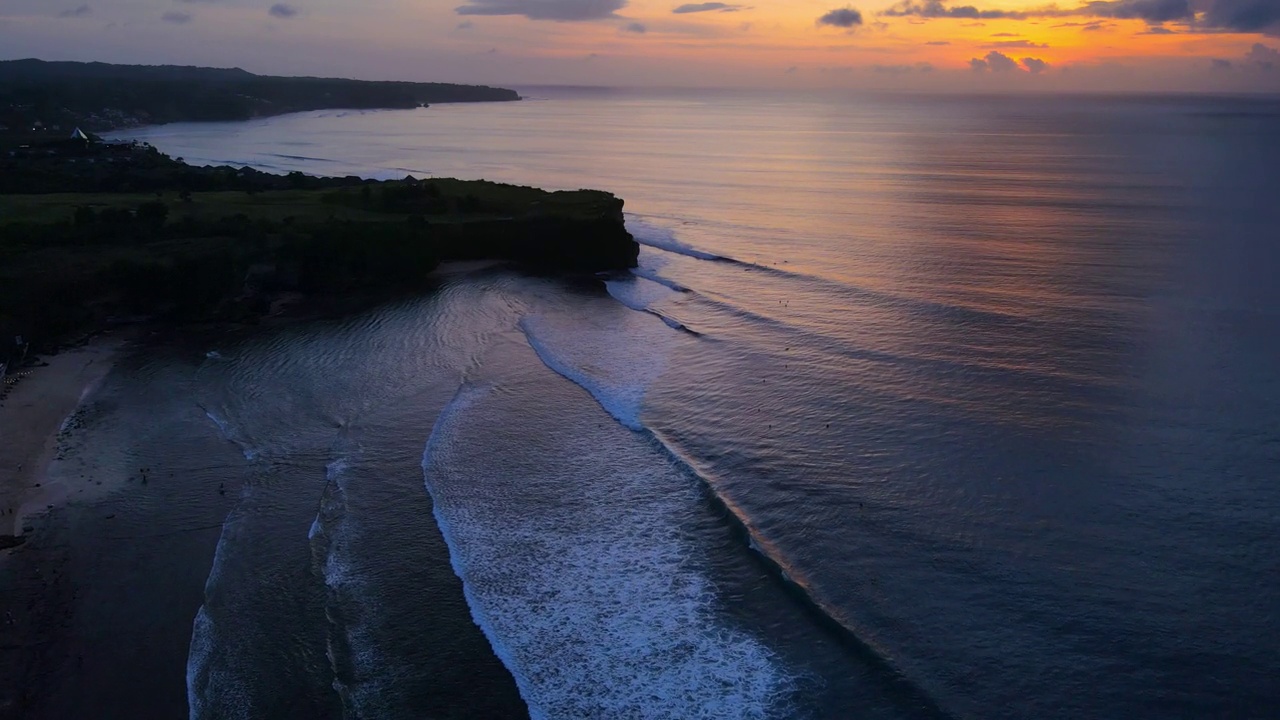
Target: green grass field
[[491, 200]]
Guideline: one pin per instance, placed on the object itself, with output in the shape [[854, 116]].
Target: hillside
[[100, 96]]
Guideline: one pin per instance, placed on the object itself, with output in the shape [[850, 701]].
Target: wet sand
[[33, 412], [96, 604], [37, 405]]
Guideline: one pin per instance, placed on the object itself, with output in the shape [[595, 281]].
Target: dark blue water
[[914, 408]]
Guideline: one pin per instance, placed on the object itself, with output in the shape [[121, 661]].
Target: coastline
[[32, 415]]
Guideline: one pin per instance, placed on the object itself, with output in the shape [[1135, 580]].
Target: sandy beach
[[32, 414]]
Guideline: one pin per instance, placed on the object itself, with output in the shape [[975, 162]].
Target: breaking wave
[[591, 597]]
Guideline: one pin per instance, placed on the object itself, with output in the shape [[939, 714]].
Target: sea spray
[[656, 236], [586, 368], [577, 573]]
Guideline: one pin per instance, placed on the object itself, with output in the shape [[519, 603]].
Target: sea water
[[914, 407]]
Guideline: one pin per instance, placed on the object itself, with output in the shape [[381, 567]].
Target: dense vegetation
[[212, 243], [99, 96]]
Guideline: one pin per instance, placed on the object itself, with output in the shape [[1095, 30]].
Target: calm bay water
[[958, 407]]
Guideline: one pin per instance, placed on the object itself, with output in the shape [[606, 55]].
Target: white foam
[[371, 689], [656, 236], [596, 606], [639, 293], [66, 421], [673, 324], [228, 431], [205, 679], [336, 468], [651, 274], [602, 359]]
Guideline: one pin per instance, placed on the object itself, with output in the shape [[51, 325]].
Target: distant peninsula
[[98, 97]]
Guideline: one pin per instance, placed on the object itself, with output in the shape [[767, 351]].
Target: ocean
[[915, 407]]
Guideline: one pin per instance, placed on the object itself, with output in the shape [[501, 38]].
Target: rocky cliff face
[[547, 243], [216, 243]]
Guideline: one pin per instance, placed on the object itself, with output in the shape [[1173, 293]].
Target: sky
[[928, 45]]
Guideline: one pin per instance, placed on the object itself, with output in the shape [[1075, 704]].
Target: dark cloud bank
[[561, 10], [706, 7], [842, 18], [1231, 15], [998, 62]]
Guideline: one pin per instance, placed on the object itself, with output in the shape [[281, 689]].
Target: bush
[[153, 213]]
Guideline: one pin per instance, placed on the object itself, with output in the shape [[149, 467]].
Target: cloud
[[635, 27], [1263, 57], [999, 62], [842, 18], [938, 42], [1005, 35], [1230, 15], [1035, 66], [465, 25], [1220, 64], [559, 10], [706, 7], [280, 10], [996, 61], [1158, 30], [993, 61], [81, 11], [1154, 11], [176, 17], [1015, 44], [936, 9], [1244, 16]]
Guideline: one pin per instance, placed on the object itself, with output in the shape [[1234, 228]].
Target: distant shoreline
[[51, 99]]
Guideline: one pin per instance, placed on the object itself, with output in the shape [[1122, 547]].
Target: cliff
[[214, 243]]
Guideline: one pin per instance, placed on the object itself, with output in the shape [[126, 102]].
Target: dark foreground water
[[913, 408]]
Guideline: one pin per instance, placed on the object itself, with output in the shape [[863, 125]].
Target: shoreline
[[32, 416]]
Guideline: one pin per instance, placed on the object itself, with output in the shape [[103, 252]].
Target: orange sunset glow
[[1227, 45]]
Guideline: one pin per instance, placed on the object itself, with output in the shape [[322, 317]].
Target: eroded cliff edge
[[134, 234]]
